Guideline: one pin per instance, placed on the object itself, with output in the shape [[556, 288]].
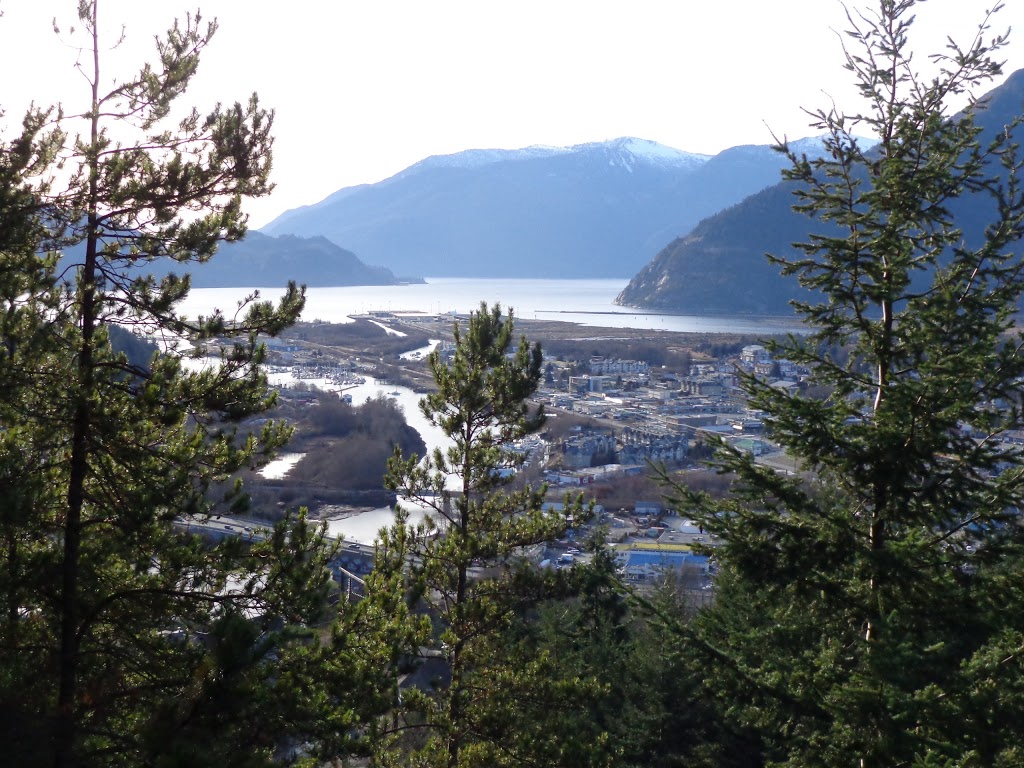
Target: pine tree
[[868, 609], [126, 641], [29, 303], [469, 561]]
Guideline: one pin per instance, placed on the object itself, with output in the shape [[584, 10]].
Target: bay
[[585, 302]]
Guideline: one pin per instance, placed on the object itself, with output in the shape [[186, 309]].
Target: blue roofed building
[[653, 564]]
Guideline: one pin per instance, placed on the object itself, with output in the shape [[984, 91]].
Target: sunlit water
[[363, 528], [280, 466], [586, 302]]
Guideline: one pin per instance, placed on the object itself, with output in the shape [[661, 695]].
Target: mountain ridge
[[597, 209], [263, 261], [719, 267]]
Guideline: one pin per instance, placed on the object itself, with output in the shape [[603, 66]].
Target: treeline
[[347, 446], [139, 351]]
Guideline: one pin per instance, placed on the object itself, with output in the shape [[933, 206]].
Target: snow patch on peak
[[477, 158], [648, 151], [626, 151], [814, 146], [652, 150]]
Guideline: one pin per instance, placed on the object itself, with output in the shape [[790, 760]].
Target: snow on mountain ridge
[[815, 145], [641, 149], [477, 158], [649, 151], [625, 151]]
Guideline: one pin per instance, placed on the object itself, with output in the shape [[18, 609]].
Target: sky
[[364, 88]]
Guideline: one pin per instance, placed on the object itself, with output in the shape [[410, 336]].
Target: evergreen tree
[[29, 304], [869, 609], [126, 641], [469, 561]]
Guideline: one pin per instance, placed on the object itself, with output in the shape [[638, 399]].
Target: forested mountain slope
[[594, 210], [720, 267]]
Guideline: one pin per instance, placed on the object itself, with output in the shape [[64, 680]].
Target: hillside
[[273, 261], [262, 261], [720, 267], [594, 210]]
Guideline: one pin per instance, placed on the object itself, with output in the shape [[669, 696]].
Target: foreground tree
[[869, 610], [29, 302], [125, 641], [469, 561]]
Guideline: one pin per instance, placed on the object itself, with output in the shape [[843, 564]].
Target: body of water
[[363, 528], [586, 302], [280, 466]]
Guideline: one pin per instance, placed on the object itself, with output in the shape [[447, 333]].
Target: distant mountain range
[[272, 261], [261, 261], [596, 210], [720, 266]]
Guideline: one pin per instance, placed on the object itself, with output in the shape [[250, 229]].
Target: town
[[614, 423]]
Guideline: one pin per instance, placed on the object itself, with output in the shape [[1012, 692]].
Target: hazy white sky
[[365, 88]]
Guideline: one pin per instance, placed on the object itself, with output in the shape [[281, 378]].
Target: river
[[586, 302], [363, 528]]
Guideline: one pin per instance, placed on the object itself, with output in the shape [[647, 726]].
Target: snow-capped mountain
[[627, 150], [720, 267], [599, 209], [477, 158]]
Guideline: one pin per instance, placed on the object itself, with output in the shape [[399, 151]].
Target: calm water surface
[[587, 302]]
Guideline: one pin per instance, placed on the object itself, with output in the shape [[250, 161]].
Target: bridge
[[351, 562]]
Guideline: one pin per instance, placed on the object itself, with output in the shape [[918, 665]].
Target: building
[[648, 565], [702, 386], [755, 354], [614, 367], [590, 383]]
